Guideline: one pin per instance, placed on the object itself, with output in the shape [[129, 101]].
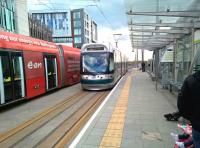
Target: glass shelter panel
[[183, 58]]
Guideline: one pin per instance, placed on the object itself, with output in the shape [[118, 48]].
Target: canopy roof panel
[[170, 18]]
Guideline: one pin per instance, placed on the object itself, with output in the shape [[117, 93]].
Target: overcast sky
[[109, 15]]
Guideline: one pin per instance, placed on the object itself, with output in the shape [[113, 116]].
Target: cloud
[[114, 11], [105, 35], [110, 14]]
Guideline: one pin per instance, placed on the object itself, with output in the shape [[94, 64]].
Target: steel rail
[[89, 108], [16, 134], [68, 125]]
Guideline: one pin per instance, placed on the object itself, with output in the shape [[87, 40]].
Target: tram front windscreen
[[94, 63]]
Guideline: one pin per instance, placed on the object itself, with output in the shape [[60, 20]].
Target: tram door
[[51, 71], [11, 77]]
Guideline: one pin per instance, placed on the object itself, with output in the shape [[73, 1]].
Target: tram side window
[[51, 66], [16, 68], [6, 69], [71, 63]]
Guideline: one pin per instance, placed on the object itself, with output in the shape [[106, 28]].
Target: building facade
[[73, 28], [59, 22], [84, 29], [13, 16], [94, 32], [39, 30]]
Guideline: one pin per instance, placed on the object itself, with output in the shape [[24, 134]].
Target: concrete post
[[21, 15]]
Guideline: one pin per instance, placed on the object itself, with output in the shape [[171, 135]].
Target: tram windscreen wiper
[[95, 73]]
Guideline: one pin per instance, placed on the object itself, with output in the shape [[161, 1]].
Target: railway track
[[79, 108]]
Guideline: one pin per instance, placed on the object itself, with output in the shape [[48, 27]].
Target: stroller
[[186, 138]]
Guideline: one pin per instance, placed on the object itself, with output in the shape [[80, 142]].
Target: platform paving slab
[[144, 125]]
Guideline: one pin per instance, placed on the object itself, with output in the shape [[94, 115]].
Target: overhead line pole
[[157, 51]]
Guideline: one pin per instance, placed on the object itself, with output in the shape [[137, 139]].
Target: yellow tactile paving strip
[[113, 134]]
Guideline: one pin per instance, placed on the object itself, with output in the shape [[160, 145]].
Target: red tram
[[30, 67]]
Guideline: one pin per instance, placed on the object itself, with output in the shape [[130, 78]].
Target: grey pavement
[[145, 126]]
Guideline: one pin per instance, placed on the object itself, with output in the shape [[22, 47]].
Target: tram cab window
[[95, 62]]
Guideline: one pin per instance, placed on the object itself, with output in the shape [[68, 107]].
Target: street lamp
[[116, 37]]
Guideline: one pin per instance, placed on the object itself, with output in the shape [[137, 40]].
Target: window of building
[[76, 15], [85, 23], [77, 31], [86, 40], [1, 15], [12, 20], [62, 40], [77, 23], [8, 21], [77, 40], [7, 15]]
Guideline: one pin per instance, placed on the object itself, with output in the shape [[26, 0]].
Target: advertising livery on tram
[[30, 67]]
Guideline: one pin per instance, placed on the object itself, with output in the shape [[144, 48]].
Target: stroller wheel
[[167, 115], [170, 117]]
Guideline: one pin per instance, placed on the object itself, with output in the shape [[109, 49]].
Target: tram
[[30, 67], [101, 67]]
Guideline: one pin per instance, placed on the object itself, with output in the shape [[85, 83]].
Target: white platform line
[[81, 133]]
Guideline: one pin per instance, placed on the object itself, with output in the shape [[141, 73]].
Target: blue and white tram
[[101, 68]]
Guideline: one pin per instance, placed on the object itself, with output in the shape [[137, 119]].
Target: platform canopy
[[154, 24]]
